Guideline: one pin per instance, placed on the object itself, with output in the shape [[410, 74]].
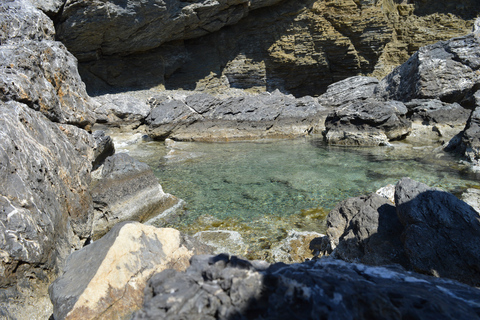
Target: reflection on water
[[265, 188]]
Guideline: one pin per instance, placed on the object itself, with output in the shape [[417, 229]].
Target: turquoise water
[[248, 180]]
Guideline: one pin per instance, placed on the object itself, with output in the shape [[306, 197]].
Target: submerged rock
[[369, 123], [106, 279], [223, 241], [222, 287], [126, 189]]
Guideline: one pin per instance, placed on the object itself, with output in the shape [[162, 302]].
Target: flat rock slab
[[106, 279], [222, 287]]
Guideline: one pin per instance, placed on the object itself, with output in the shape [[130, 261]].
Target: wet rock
[[106, 279], [88, 28], [445, 70], [44, 76], [126, 189], [441, 232], [222, 287], [206, 117], [366, 229], [298, 246], [223, 241], [349, 90], [369, 122]]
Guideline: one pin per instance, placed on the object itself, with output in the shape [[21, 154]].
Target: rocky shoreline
[[66, 197]]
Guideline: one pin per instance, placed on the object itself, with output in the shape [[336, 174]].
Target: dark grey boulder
[[349, 90], [447, 70], [223, 287], [369, 122], [434, 111], [441, 233], [104, 147], [471, 138], [126, 189], [366, 229]]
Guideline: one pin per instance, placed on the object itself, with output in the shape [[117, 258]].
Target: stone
[[44, 76], [441, 233], [446, 70], [472, 197], [208, 118], [223, 287], [121, 109], [298, 246], [104, 148], [223, 241], [106, 279], [366, 229], [49, 7], [126, 189], [369, 123], [470, 143], [349, 90], [388, 192]]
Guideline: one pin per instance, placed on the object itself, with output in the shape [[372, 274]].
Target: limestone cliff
[[299, 47]]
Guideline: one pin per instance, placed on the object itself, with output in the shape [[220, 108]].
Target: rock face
[[299, 47], [429, 231], [205, 117], [121, 110], [437, 220], [126, 189], [219, 287], [106, 279], [370, 122]]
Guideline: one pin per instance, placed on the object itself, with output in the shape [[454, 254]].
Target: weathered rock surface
[[299, 47], [366, 229], [219, 287], [441, 233], [122, 110], [106, 279], [104, 148], [223, 241], [472, 197], [446, 70], [206, 117], [298, 246], [126, 189], [349, 90], [45, 207], [369, 122]]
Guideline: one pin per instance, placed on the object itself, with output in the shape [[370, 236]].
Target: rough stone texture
[[470, 143], [299, 47], [220, 287], [126, 189], [121, 110], [107, 27], [447, 70], [472, 197], [349, 90], [50, 7], [441, 233], [104, 148], [222, 241], [366, 229], [298, 246], [369, 122], [106, 279], [45, 206], [206, 117]]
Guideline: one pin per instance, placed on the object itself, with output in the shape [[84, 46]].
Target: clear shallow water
[[266, 188]]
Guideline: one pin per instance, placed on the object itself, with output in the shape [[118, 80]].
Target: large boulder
[[126, 189], [123, 110], [366, 229], [106, 279], [349, 90], [222, 287], [441, 233], [447, 70], [367, 122]]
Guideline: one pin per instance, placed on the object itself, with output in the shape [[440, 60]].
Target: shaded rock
[[104, 148], [223, 241], [445, 70], [50, 7], [20, 21], [470, 143], [441, 233], [121, 110], [44, 76], [349, 90], [369, 122], [298, 246], [126, 189], [88, 28], [106, 279], [206, 117], [366, 229], [219, 287]]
